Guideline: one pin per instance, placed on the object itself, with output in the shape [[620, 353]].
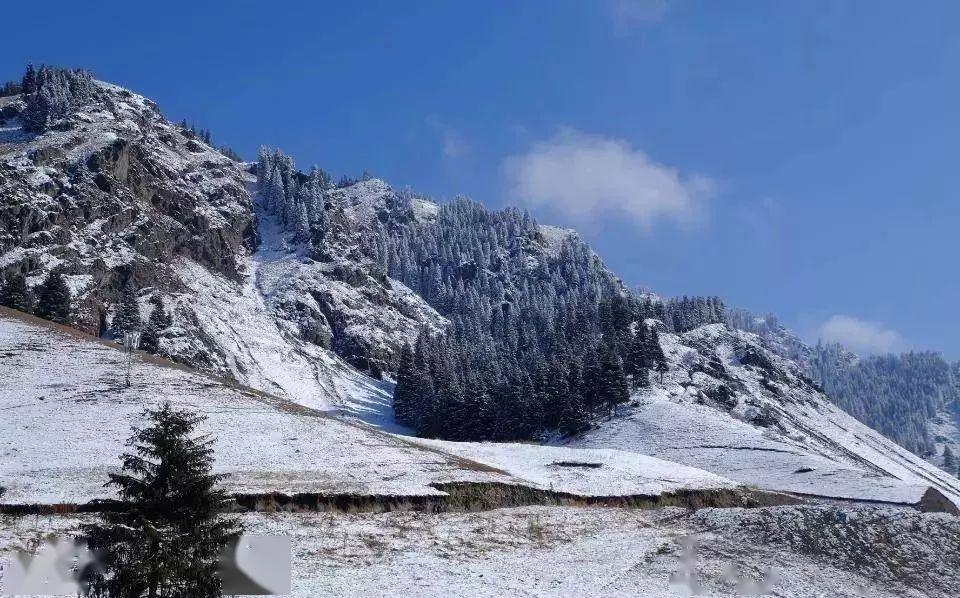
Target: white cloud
[[453, 144], [587, 176], [861, 336], [629, 13]]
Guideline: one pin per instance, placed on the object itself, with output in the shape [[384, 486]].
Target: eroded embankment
[[458, 496]]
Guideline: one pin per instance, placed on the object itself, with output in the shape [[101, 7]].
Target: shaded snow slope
[[731, 407], [291, 323], [66, 413]]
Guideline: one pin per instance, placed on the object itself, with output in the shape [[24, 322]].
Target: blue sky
[[797, 157]]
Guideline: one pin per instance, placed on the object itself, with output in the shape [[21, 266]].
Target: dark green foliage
[[127, 315], [517, 306], [611, 388], [51, 93], [516, 312], [53, 298], [228, 152], [167, 537], [949, 460], [896, 395], [296, 200], [15, 294], [11, 88], [405, 392], [158, 321], [29, 81], [688, 313]]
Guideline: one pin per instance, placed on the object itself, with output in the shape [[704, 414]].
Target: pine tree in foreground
[[53, 299], [165, 539], [15, 294]]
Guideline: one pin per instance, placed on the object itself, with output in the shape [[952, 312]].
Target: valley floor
[[794, 551]]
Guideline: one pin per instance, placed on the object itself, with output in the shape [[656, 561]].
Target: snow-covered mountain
[[114, 194], [912, 398], [731, 406], [67, 412], [117, 194]]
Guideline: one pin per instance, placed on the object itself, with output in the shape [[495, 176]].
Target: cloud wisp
[[627, 13], [861, 336], [589, 177], [453, 145]]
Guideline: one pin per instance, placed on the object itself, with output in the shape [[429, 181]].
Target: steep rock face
[[116, 192], [338, 291]]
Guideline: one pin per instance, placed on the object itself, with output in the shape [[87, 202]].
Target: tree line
[[51, 300], [541, 339], [51, 93]]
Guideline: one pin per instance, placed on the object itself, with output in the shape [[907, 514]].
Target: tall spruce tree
[[165, 538], [404, 394], [16, 294], [158, 321], [126, 318], [949, 460], [613, 388], [53, 298]]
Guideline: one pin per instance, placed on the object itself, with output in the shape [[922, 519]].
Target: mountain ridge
[[310, 291]]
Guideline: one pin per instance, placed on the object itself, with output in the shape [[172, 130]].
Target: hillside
[[912, 398], [116, 195], [282, 281], [730, 406], [367, 351], [67, 412]]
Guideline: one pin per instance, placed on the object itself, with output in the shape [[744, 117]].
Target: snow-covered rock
[[729, 406], [115, 193]]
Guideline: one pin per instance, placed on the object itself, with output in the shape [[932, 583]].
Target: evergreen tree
[[949, 461], [654, 353], [573, 410], [15, 294], [54, 92], [404, 394], [661, 368], [158, 321], [637, 359], [166, 537], [127, 316], [613, 388], [29, 84], [53, 298]]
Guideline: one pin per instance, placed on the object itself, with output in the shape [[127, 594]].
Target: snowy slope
[[121, 194], [766, 428], [567, 552], [585, 472], [66, 413]]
